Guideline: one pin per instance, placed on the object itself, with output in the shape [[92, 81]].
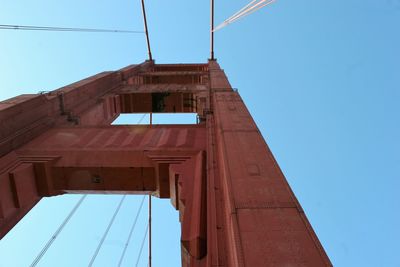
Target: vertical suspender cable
[[106, 232], [212, 29], [131, 232], [57, 232], [146, 30], [149, 230]]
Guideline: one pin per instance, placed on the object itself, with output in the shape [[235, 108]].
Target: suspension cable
[[212, 30], [146, 31], [106, 232], [140, 120], [252, 9], [245, 11], [57, 232], [149, 230], [131, 232], [60, 29], [141, 247]]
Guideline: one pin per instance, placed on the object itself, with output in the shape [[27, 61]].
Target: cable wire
[[252, 9], [212, 29], [141, 247], [131, 232], [106, 232], [146, 31], [149, 263], [140, 120], [61, 29], [247, 8], [72, 212], [57, 232], [245, 11]]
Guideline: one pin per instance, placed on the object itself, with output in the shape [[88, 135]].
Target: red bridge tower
[[235, 206]]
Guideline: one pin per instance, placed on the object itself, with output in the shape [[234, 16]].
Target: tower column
[[264, 225]]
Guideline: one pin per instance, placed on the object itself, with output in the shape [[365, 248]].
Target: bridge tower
[[235, 206]]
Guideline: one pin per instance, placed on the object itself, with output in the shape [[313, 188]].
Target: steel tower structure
[[235, 206]]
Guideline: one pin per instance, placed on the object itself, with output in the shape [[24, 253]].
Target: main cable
[[57, 232], [245, 11], [107, 230], [61, 29], [131, 232], [252, 9]]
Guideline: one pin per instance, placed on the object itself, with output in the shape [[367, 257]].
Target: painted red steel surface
[[235, 206]]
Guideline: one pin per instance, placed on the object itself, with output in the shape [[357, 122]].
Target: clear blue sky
[[321, 79]]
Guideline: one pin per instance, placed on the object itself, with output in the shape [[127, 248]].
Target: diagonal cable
[[106, 232], [140, 120], [243, 8], [245, 11], [61, 29], [252, 9], [141, 247], [57, 232], [131, 232]]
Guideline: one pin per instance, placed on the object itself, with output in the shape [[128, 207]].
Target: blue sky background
[[321, 79]]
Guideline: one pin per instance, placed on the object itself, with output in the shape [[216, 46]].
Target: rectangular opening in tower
[[157, 118], [158, 102]]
